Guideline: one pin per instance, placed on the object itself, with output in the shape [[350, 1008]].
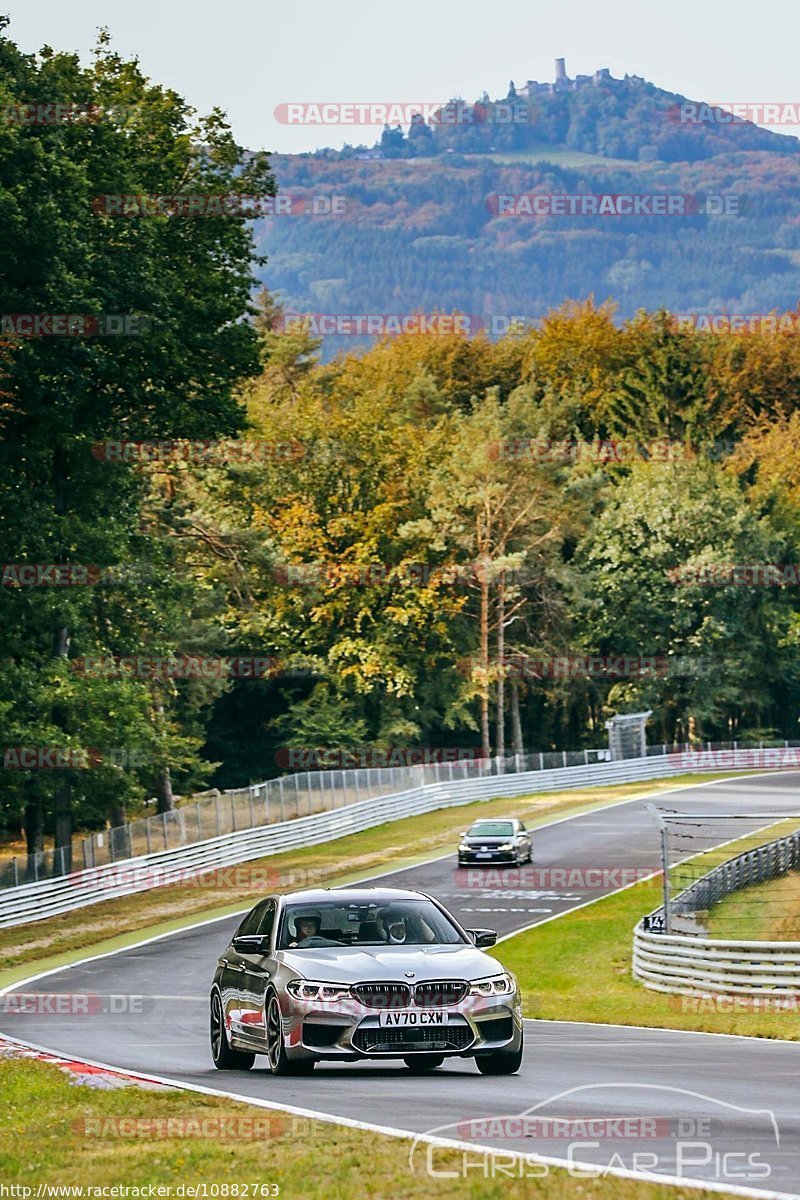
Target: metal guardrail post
[[250, 798], [16, 872], [164, 829]]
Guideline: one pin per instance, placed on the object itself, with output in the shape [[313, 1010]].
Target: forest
[[223, 547]]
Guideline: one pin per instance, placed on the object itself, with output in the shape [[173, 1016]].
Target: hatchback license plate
[[418, 1019]]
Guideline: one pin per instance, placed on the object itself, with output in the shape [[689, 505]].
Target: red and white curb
[[82, 1073]]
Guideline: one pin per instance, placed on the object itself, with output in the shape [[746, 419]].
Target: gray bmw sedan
[[351, 974]]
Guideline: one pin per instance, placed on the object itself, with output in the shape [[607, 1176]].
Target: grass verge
[[56, 1134], [578, 967], [112, 924], [769, 912]]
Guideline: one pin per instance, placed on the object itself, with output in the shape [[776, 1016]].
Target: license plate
[[416, 1019], [484, 854]]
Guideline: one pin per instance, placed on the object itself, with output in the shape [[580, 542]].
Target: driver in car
[[395, 925], [307, 926]]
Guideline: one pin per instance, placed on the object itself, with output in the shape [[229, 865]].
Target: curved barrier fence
[[47, 897], [692, 965]]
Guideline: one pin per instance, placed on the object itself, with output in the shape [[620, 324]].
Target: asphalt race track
[[699, 1106]]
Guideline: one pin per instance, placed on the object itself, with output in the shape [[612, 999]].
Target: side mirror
[[251, 943], [483, 937]]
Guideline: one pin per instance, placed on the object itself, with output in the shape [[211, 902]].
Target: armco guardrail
[[271, 802], [698, 966], [34, 901], [703, 966], [276, 800]]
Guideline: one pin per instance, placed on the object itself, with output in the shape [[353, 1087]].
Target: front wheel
[[279, 1061], [500, 1062], [423, 1062], [225, 1058]]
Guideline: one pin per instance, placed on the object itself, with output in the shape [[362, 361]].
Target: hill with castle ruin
[[419, 226]]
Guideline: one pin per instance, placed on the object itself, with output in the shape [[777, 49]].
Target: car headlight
[[463, 846], [310, 989], [506, 846], [495, 985]]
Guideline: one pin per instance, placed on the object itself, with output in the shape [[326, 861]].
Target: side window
[[521, 828], [251, 923], [266, 918]]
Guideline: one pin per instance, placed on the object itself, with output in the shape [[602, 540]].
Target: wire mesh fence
[[281, 799], [285, 797], [733, 876]]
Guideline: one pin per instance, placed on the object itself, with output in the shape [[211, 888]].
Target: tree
[[655, 569], [186, 281]]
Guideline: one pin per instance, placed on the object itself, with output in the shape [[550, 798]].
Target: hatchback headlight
[[310, 989], [463, 846], [495, 985], [506, 846]]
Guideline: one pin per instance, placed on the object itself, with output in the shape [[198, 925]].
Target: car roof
[[352, 895], [494, 820]]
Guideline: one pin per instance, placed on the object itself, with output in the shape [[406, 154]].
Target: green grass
[[578, 967], [560, 156], [112, 924], [54, 1133], [768, 912]]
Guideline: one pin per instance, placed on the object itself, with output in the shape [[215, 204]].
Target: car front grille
[[439, 993], [383, 995], [389, 1041]]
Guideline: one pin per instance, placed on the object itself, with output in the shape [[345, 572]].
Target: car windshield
[[390, 923], [491, 829]]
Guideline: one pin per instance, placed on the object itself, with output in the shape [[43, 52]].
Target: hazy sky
[[248, 56]]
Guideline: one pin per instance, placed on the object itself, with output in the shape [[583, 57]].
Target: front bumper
[[477, 1024], [473, 858]]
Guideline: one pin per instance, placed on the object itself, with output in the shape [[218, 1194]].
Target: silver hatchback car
[[350, 974]]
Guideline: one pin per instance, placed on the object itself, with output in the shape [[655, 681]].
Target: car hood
[[350, 964]]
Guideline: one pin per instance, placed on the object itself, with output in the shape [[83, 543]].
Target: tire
[[225, 1058], [423, 1063], [279, 1062], [499, 1062]]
